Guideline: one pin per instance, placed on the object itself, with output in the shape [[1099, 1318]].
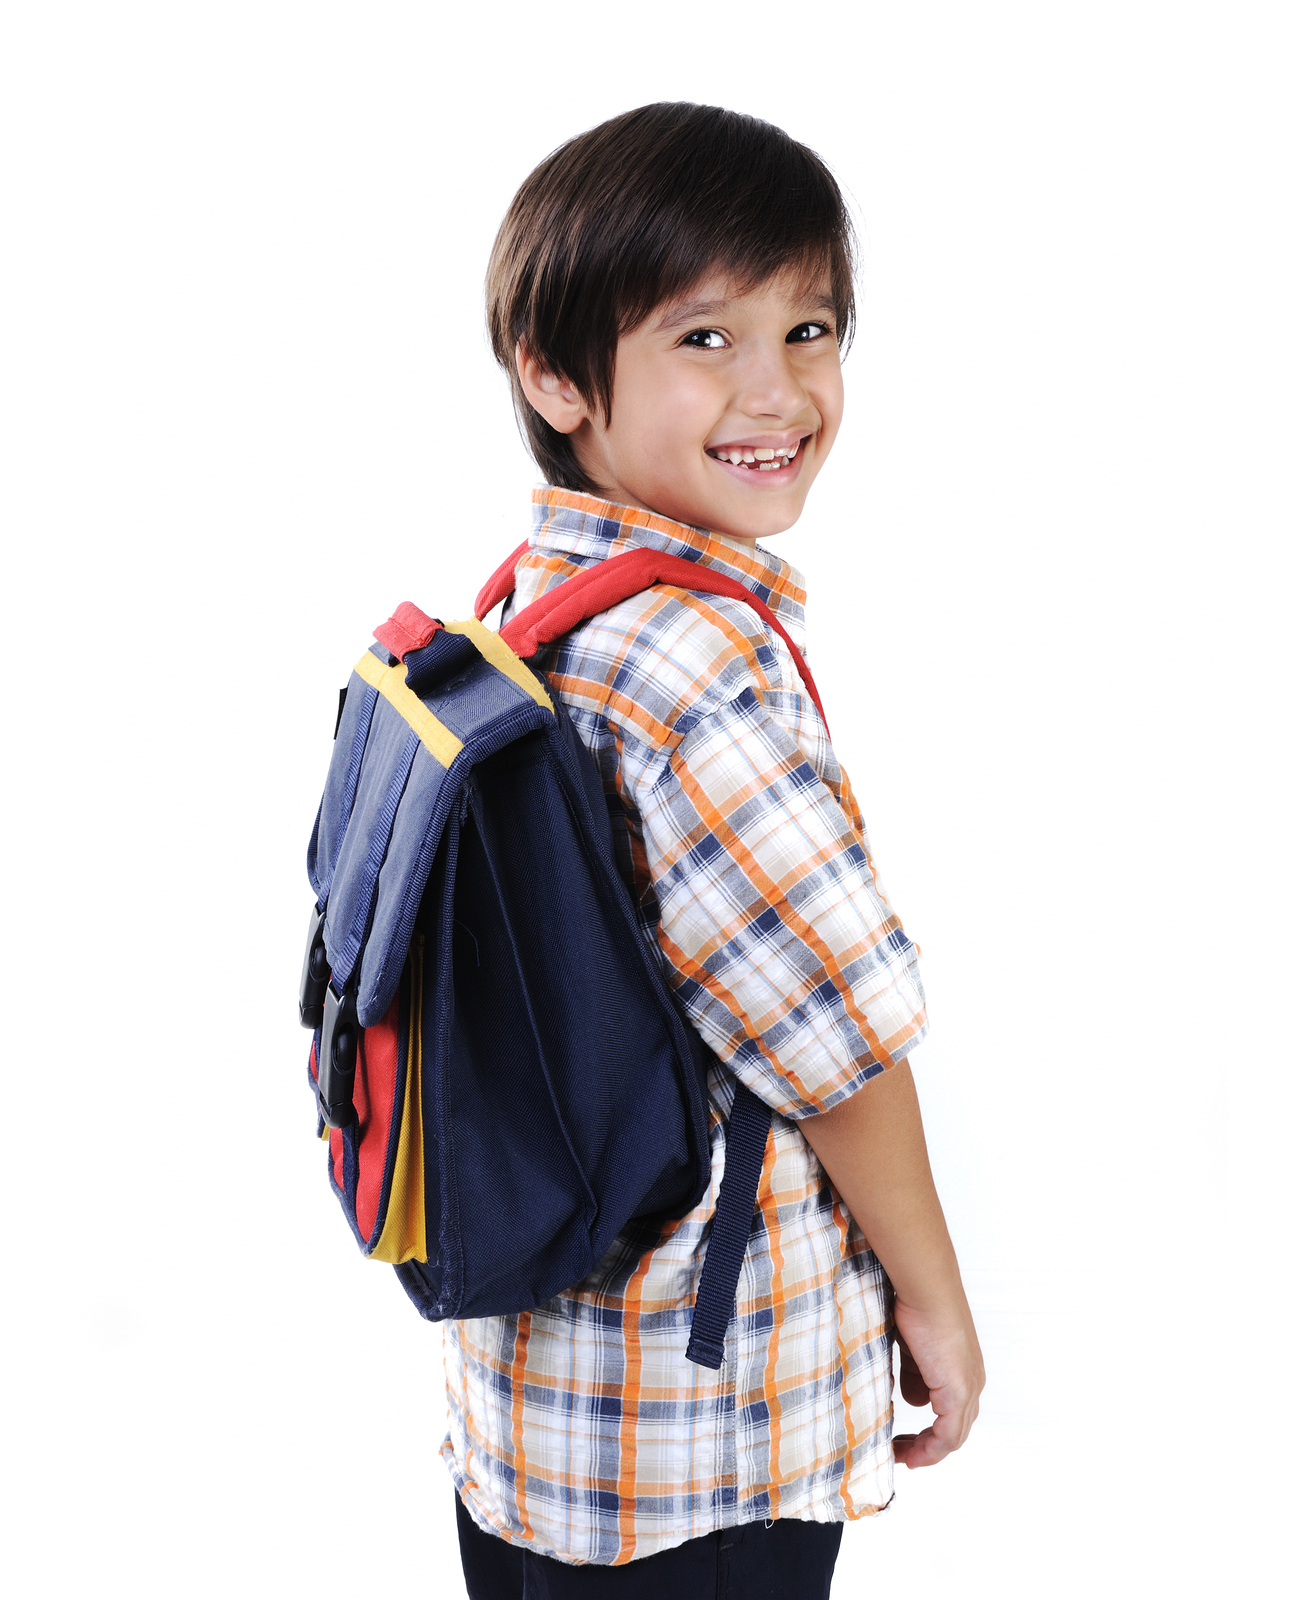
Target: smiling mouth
[[758, 459]]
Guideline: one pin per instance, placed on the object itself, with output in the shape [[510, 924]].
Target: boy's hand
[[873, 1149], [939, 1365]]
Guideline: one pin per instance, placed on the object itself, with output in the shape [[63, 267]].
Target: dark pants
[[785, 1560]]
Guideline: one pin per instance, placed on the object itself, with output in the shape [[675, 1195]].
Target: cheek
[[827, 396], [694, 403], [675, 424], [660, 417]]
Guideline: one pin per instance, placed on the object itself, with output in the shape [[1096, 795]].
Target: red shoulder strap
[[607, 584], [501, 585]]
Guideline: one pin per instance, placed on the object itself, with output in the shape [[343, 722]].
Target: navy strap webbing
[[745, 1150]]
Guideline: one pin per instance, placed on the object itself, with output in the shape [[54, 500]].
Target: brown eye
[[705, 339], [807, 333]]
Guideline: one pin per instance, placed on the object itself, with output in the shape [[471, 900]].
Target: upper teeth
[[764, 460]]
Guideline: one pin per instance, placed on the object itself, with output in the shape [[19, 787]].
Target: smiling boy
[[672, 293]]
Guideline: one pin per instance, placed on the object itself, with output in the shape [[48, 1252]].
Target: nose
[[769, 386]]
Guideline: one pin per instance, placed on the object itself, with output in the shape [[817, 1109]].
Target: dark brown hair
[[623, 218]]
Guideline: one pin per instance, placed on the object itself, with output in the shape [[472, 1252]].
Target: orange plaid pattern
[[580, 1429]]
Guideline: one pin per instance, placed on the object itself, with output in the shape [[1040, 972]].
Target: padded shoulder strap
[[501, 586], [608, 583]]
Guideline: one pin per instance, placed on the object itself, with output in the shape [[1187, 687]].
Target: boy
[[670, 294]]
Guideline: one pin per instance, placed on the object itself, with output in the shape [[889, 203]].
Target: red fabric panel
[[408, 628], [376, 1083], [501, 585], [616, 579]]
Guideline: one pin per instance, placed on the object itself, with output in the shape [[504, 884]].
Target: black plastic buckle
[[314, 973], [336, 1066]]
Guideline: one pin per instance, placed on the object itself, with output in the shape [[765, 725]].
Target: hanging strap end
[[706, 1354]]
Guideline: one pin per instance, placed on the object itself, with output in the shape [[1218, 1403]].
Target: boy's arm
[[873, 1148]]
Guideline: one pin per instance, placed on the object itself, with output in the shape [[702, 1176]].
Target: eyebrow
[[687, 310], [693, 310]]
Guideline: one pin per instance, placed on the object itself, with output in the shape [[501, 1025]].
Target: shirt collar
[[584, 529]]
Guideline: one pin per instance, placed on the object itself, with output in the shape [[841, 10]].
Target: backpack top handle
[[618, 578]]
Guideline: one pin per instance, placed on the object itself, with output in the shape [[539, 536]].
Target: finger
[[932, 1444], [915, 1390], [922, 1449]]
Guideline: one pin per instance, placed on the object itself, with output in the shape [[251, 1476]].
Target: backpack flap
[[399, 766]]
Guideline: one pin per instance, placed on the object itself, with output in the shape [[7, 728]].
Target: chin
[[779, 520]]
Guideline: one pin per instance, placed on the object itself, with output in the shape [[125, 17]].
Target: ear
[[555, 399]]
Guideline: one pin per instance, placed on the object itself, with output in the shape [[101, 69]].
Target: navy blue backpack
[[501, 1072]]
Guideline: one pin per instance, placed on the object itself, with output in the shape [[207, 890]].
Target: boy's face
[[717, 375]]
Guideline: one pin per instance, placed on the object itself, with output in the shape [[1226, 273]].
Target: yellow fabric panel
[[390, 682], [499, 654], [403, 1237]]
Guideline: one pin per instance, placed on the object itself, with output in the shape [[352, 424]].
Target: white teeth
[[759, 458]]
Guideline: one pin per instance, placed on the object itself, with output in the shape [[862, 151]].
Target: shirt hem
[[464, 1483]]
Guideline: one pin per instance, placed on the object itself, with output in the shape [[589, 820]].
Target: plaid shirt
[[580, 1429]]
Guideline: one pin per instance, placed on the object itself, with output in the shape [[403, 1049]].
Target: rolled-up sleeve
[[785, 955]]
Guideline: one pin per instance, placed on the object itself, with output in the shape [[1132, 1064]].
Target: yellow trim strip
[[404, 1236], [390, 682], [499, 654]]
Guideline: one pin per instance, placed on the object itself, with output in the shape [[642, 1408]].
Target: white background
[[1059, 616]]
